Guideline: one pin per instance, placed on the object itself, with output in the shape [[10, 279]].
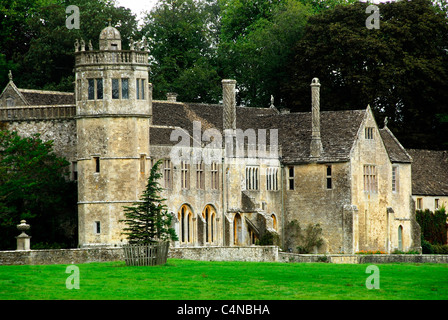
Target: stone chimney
[[229, 104], [171, 96], [316, 143]]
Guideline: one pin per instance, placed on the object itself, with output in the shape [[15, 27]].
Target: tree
[[148, 221], [182, 45], [433, 225], [257, 39], [38, 42], [399, 69], [33, 186]]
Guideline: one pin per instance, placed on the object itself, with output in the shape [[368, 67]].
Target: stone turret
[[114, 109]]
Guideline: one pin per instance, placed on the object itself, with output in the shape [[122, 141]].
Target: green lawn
[[194, 280]]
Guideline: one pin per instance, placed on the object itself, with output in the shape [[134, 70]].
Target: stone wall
[[61, 131], [60, 256], [252, 253], [360, 258], [102, 254]]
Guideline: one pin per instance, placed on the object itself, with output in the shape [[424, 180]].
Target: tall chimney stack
[[229, 104], [316, 143]]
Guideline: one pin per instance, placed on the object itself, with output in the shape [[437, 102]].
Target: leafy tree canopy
[[38, 46], [399, 69], [181, 39], [33, 186]]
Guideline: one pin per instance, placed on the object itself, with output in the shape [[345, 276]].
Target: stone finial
[[110, 21], [83, 45], [272, 101], [385, 121], [131, 44], [10, 75], [76, 45], [171, 96], [23, 240], [90, 45]]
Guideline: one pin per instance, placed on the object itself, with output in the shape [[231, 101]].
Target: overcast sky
[[137, 6]]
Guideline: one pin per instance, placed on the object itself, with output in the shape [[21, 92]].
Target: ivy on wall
[[433, 225]]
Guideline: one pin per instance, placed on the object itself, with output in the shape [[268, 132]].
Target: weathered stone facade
[[335, 169]]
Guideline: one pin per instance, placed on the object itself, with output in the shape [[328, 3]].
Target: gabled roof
[[393, 147], [429, 172], [29, 97], [338, 128]]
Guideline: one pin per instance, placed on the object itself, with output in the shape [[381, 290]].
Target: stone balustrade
[[37, 112], [95, 57]]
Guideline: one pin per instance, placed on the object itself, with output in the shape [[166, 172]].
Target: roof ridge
[[44, 91]]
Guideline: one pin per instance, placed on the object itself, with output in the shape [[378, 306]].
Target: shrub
[[440, 249], [433, 225], [396, 251], [268, 239], [370, 252], [427, 247], [303, 240]]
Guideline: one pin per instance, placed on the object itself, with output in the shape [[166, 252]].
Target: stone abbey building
[[337, 169]]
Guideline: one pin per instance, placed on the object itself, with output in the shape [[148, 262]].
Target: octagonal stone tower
[[113, 108]]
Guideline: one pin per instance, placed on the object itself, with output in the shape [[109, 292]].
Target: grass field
[[197, 280]]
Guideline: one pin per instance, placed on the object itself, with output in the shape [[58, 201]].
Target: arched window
[[274, 221], [237, 230], [209, 215], [186, 230], [400, 238], [190, 226]]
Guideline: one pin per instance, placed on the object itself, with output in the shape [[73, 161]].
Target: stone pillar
[[316, 143], [23, 240]]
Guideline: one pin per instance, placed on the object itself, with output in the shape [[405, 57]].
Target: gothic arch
[[209, 216], [185, 216], [400, 237], [237, 230], [274, 222]]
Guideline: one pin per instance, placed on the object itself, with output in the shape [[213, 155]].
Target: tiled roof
[[429, 172], [46, 98], [395, 150], [338, 128]]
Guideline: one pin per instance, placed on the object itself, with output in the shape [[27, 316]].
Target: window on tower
[[99, 89], [95, 89], [91, 95], [115, 89], [140, 89], [124, 88]]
